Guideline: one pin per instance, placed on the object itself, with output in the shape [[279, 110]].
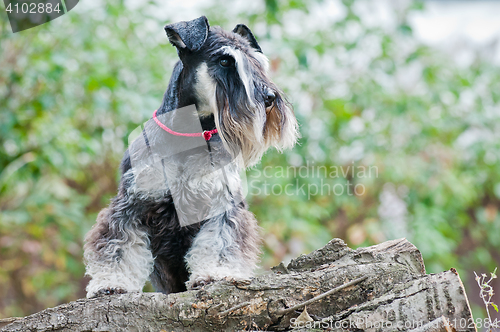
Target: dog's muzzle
[[269, 98]]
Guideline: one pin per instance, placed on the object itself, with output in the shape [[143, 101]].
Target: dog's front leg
[[225, 247], [117, 254]]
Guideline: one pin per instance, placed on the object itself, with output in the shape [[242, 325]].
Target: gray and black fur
[[141, 234]]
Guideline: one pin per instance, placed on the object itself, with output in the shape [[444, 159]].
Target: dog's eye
[[226, 62]]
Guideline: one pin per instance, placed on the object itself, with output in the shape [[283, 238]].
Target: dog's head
[[226, 75]]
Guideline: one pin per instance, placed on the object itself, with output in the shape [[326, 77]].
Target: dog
[[179, 218]]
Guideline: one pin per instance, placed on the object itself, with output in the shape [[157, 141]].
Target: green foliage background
[[73, 89]]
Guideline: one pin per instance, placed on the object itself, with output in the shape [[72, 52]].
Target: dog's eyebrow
[[241, 66], [228, 50], [221, 51], [264, 61]]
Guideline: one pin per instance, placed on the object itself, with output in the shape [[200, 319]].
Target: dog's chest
[[202, 183]]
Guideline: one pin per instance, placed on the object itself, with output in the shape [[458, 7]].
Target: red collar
[[207, 134]]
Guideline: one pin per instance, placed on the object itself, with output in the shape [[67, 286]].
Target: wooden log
[[387, 289]]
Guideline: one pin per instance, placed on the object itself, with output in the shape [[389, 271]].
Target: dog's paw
[[108, 291], [200, 282], [240, 282]]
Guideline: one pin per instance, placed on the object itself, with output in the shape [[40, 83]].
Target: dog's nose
[[269, 98]]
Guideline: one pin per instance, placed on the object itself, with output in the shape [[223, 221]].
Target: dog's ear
[[189, 35], [245, 32]]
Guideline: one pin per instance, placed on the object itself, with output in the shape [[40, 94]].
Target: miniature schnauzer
[[180, 218]]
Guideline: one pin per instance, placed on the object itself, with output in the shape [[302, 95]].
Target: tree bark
[[389, 291]]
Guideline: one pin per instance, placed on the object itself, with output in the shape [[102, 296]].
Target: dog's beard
[[248, 130], [281, 129]]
